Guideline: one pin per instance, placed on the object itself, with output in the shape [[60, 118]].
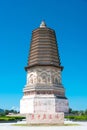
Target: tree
[[70, 110], [86, 112], [6, 112]]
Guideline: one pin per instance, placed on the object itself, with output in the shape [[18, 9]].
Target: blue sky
[[17, 20]]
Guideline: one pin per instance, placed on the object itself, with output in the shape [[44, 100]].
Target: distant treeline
[[76, 115], [77, 112], [6, 112]]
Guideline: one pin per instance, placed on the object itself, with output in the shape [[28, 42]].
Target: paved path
[[8, 126]]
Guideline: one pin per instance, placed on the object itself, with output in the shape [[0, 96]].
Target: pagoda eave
[[28, 67]]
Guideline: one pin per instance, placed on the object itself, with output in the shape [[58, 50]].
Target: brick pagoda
[[44, 94]]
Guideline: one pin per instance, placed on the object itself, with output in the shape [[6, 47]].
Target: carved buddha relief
[[44, 77]]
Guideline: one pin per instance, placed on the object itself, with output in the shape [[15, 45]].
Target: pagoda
[[44, 93]]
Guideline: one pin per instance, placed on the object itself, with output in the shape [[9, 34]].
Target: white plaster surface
[[26, 105], [8, 126], [35, 104]]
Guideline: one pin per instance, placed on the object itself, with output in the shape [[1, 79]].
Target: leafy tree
[[6, 112], [70, 110], [86, 112]]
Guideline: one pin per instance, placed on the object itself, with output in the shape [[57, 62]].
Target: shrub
[[77, 118]]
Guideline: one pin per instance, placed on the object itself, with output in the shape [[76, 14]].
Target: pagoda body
[[44, 92]]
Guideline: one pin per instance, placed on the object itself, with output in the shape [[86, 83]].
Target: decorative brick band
[[44, 92]]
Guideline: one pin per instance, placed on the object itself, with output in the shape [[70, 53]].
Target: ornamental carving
[[44, 76]]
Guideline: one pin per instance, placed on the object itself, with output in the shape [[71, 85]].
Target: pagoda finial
[[43, 24]]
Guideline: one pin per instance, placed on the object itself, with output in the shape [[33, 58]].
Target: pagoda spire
[[43, 24]]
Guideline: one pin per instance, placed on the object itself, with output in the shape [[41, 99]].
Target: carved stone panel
[[43, 75]]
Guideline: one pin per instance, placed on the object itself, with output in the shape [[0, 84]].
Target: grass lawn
[[45, 124]]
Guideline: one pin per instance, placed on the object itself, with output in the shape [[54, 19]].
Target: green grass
[[46, 125], [11, 118]]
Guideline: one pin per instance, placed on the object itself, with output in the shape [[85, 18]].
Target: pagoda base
[[45, 118], [43, 104]]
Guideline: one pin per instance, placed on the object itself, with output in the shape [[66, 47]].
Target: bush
[[77, 118]]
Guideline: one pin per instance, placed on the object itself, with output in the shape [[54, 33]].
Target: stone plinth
[[45, 118], [43, 104]]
